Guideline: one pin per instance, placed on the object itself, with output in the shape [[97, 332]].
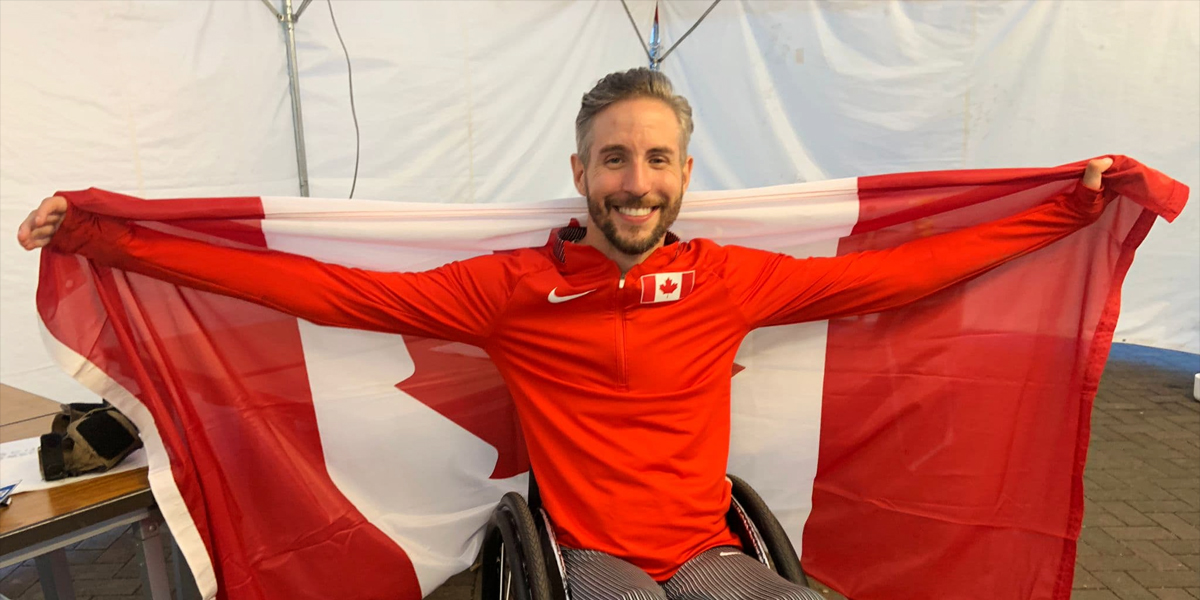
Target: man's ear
[[577, 169], [687, 173]]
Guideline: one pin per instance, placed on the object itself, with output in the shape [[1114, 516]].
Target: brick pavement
[[104, 567], [1140, 537]]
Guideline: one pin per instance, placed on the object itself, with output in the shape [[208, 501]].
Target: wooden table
[[24, 415], [42, 523]]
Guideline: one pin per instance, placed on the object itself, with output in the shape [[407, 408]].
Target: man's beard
[[601, 217]]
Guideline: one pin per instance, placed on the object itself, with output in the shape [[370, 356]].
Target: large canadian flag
[[931, 451]]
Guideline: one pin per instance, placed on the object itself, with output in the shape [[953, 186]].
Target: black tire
[[511, 545], [555, 576], [783, 554]]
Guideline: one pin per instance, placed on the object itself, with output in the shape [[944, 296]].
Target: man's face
[[636, 176]]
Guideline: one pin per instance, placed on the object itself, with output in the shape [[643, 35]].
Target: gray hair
[[623, 85]]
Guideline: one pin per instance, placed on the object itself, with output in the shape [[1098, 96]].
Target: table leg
[[155, 584], [55, 575], [185, 584]]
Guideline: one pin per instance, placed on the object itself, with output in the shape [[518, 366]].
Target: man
[[616, 340]]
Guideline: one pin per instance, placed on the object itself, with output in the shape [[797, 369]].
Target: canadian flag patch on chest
[[667, 287]]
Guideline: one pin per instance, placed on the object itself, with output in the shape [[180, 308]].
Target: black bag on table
[[86, 438]]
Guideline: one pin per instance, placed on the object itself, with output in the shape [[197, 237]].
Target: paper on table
[[19, 463]]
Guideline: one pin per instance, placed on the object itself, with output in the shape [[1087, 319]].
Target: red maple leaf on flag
[[668, 286], [463, 385]]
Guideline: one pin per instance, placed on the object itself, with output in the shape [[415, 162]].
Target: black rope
[[353, 113]]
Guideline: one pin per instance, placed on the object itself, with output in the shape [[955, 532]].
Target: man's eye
[[612, 160]]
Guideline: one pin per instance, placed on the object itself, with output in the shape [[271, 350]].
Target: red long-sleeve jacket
[[621, 383]]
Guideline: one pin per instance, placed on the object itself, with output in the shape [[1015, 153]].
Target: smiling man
[[632, 163], [627, 418]]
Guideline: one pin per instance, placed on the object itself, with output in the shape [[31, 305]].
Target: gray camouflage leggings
[[724, 573]]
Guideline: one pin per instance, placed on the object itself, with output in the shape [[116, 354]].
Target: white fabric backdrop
[[475, 102]]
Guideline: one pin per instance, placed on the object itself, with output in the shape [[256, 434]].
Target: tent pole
[[288, 19], [654, 50], [289, 27], [655, 45]]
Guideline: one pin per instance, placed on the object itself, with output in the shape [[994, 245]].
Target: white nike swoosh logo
[[729, 553], [554, 298]]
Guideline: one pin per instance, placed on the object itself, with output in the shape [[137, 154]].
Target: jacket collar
[[570, 255]]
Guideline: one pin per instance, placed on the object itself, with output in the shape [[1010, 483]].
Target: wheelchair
[[520, 558]]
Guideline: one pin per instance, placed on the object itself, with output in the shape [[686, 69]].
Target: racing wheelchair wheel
[[761, 534], [512, 565], [520, 558]]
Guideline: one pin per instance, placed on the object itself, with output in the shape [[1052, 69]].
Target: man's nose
[[637, 180]]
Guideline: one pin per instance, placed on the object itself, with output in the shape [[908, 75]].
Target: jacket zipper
[[622, 375]]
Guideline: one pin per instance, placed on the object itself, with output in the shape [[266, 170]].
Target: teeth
[[634, 212]]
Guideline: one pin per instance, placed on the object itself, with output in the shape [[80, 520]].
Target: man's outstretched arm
[[776, 289], [458, 301]]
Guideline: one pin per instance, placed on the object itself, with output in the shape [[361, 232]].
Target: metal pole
[[55, 575], [288, 18], [155, 583], [655, 43], [303, 5]]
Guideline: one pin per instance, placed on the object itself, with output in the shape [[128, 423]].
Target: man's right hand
[[39, 227]]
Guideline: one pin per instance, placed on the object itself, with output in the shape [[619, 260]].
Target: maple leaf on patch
[[668, 286]]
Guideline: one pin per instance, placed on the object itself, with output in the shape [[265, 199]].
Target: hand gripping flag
[[928, 451]]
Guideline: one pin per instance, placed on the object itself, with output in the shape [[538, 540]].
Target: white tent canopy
[[475, 102]]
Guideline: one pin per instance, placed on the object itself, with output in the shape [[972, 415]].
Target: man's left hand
[[1091, 176]]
